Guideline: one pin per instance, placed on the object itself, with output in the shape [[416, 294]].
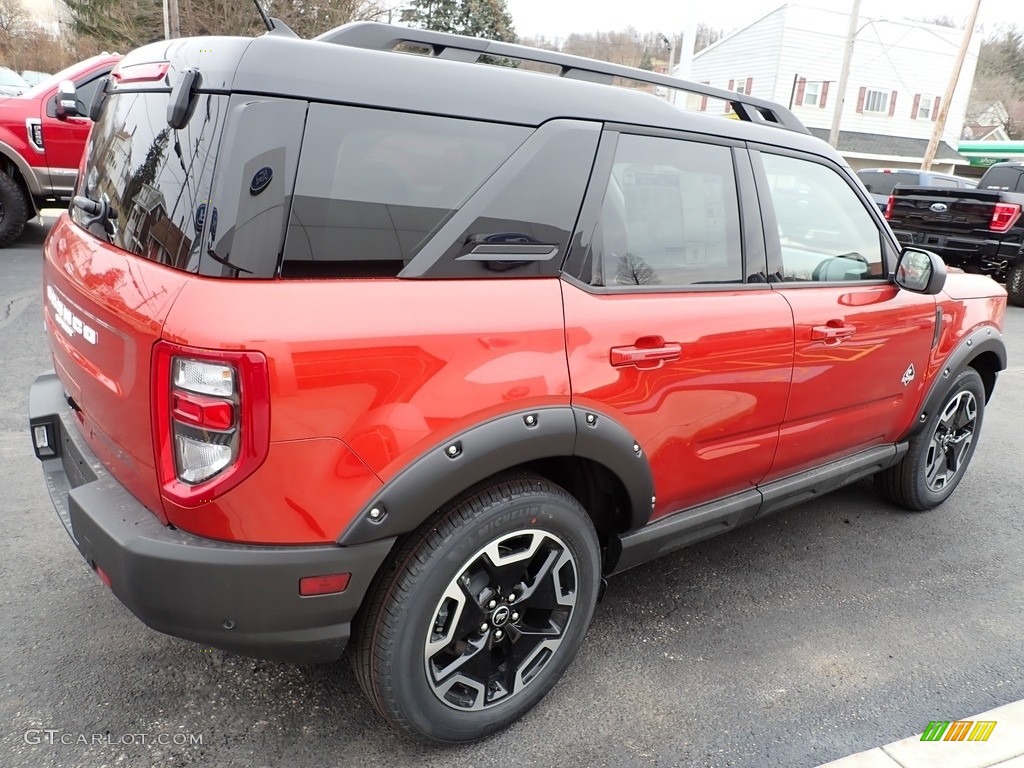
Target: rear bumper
[[240, 598], [958, 250]]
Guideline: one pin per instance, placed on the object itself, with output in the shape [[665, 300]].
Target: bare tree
[[13, 17]]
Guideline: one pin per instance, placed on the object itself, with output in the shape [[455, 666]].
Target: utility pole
[[172, 20], [940, 119], [844, 75], [172, 8]]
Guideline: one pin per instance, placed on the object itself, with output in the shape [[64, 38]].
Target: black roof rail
[[387, 37]]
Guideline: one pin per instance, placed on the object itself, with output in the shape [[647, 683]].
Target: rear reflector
[[1004, 216], [330, 584], [104, 577]]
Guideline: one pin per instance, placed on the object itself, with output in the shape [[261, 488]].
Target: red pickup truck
[[41, 145]]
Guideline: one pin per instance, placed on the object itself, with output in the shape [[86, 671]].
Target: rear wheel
[[13, 210], [1015, 285], [940, 453], [480, 612]]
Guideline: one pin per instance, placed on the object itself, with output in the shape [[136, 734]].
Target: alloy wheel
[[501, 620], [949, 447]]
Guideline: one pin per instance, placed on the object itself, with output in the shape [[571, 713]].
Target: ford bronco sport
[[413, 355]]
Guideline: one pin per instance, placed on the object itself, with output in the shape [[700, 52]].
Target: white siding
[[750, 53], [904, 57], [794, 41]]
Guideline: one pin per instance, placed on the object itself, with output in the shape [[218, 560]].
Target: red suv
[[417, 352], [42, 136]]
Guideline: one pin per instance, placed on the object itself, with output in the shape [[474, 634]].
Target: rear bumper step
[[240, 598]]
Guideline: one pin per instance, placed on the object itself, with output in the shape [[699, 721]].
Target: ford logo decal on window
[[937, 207], [261, 180]]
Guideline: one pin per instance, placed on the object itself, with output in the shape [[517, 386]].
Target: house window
[[876, 101], [812, 94], [741, 86], [925, 107]]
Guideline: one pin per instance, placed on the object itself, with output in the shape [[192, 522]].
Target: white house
[[898, 73]]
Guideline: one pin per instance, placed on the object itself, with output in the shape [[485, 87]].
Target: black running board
[[688, 526]]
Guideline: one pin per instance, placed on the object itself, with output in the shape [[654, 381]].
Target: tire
[[940, 453], [13, 210], [459, 600], [1015, 285]]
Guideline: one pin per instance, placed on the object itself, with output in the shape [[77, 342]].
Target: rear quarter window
[[373, 186]]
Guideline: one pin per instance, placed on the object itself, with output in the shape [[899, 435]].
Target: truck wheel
[[13, 210], [1015, 285], [940, 452], [480, 612]]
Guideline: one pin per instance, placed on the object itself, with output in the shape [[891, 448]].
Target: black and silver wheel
[[481, 611], [940, 453], [13, 210]]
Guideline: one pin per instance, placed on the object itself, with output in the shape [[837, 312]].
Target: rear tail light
[[889, 206], [211, 420], [1004, 216]]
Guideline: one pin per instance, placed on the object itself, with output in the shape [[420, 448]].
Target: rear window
[[881, 183], [156, 179], [373, 186], [1005, 179]]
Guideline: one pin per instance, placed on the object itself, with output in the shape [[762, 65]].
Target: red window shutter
[[750, 85], [917, 105], [935, 109], [732, 84], [892, 104], [860, 98], [801, 85], [704, 99], [824, 95]]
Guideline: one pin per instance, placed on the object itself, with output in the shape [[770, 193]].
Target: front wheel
[[14, 208], [939, 454], [480, 612]]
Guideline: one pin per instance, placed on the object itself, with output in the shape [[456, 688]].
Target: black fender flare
[[463, 460], [985, 339]]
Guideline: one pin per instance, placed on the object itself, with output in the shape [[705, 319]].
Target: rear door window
[[373, 186]]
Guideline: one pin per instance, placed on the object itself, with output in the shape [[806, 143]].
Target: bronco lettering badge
[[67, 320]]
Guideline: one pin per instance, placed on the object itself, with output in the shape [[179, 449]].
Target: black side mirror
[[67, 100], [920, 271]]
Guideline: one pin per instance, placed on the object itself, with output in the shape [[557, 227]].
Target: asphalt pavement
[[825, 630]]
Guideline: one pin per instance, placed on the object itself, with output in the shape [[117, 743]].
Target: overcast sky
[[557, 18]]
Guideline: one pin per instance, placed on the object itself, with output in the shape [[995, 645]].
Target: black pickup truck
[[977, 230]]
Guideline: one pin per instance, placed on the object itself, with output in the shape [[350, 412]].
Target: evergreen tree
[[488, 19], [118, 24], [438, 15], [477, 18]]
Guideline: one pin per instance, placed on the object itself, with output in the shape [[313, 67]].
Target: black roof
[[356, 64], [880, 144]]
